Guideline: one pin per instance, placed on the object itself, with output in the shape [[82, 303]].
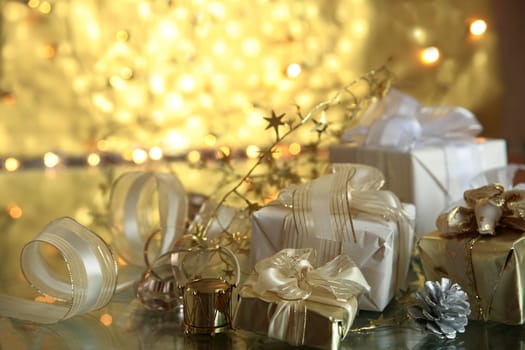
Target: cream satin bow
[[399, 121], [289, 279], [487, 208]]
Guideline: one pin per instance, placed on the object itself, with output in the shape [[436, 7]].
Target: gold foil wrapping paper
[[287, 298], [491, 269], [325, 325]]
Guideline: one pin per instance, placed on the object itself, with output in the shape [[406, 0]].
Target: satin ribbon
[[142, 202], [400, 122], [91, 267], [323, 208], [485, 209], [289, 279]]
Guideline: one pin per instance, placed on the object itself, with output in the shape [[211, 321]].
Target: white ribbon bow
[[399, 121], [289, 279]]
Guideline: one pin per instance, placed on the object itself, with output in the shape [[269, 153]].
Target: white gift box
[[381, 247], [432, 177]]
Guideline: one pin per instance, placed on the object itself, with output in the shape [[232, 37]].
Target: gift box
[[481, 246], [343, 213], [298, 303], [427, 154]]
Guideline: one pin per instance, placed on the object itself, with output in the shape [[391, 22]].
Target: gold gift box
[[325, 326], [491, 269]]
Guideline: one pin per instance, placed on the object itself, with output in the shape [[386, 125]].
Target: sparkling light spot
[[14, 211], [139, 156], [210, 140], [294, 149], [155, 153], [293, 70], [193, 157], [51, 159], [252, 151], [430, 55], [478, 27], [106, 320], [93, 159], [11, 164]]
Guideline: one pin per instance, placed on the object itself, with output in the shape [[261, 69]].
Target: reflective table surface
[[31, 199]]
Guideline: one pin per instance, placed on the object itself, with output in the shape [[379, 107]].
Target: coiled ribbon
[[289, 279], [91, 267]]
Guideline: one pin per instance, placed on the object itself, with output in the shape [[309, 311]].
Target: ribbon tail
[[288, 322]]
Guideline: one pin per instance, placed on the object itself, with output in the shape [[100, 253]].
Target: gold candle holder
[[207, 302], [207, 306]]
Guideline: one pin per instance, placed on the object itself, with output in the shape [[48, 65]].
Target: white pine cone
[[442, 308]]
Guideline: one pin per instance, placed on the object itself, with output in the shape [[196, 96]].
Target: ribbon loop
[[91, 268], [399, 121], [142, 202]]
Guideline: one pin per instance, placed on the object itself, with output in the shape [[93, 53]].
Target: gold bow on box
[[481, 246], [298, 303], [489, 206]]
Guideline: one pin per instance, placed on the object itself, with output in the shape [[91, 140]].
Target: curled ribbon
[[93, 276], [289, 279], [400, 122], [487, 207], [91, 267], [142, 202]]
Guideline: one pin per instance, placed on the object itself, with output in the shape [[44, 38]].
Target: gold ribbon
[[487, 208], [289, 280]]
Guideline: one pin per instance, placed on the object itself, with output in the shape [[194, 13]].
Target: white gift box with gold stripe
[[343, 213]]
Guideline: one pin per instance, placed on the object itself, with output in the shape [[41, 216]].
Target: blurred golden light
[[14, 211], [93, 159], [45, 299], [430, 55], [251, 47], [478, 27], [122, 35], [210, 140], [294, 149], [187, 83], [33, 3], [49, 51], [176, 140], [156, 82], [139, 156], [11, 164], [253, 151], [293, 70], [106, 320], [51, 159], [45, 7], [193, 157], [155, 153], [277, 153]]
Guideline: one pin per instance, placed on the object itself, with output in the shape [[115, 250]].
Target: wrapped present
[[297, 303], [481, 246], [343, 213], [424, 152]]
